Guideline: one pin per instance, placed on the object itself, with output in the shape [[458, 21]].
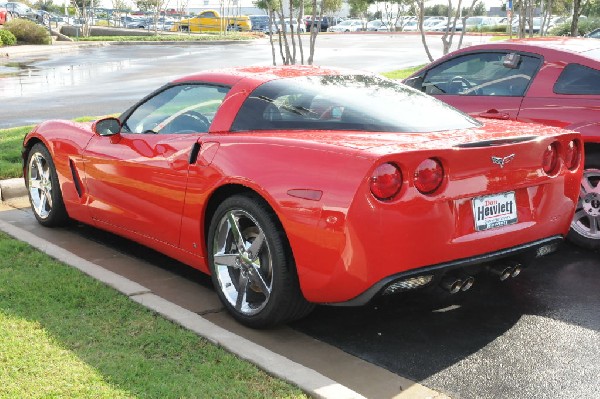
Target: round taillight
[[429, 176], [572, 155], [386, 181], [550, 159]]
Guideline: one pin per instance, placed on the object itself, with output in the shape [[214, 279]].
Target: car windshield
[[345, 102]]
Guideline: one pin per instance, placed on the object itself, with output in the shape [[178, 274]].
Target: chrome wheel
[[40, 185], [586, 222], [44, 190], [243, 262], [251, 263]]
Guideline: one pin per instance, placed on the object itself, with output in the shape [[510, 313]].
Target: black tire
[[259, 289], [43, 187], [184, 28], [585, 227]]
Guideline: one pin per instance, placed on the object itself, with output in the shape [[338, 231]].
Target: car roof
[[564, 44], [260, 74]]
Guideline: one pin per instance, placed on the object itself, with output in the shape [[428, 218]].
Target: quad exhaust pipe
[[454, 284], [506, 271]]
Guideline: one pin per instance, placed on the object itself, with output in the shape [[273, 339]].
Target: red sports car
[[554, 81], [300, 185]]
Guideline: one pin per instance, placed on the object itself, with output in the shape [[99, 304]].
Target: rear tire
[[585, 227], [43, 187], [251, 264]]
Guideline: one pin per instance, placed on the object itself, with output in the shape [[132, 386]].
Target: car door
[[485, 84], [137, 180], [566, 96]]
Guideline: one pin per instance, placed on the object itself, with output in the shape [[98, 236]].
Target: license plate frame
[[494, 211]]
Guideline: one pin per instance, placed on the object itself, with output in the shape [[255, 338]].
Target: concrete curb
[[310, 381], [12, 188]]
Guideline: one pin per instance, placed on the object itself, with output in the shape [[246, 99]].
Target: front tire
[[251, 264], [43, 187], [585, 227]]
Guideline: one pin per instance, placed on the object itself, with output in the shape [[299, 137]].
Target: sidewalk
[[10, 52]]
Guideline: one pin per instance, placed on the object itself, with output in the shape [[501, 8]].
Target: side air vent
[[76, 179]]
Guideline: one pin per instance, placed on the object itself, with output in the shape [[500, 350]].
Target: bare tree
[[421, 9]]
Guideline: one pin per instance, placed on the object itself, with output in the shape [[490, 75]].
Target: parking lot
[[536, 336]]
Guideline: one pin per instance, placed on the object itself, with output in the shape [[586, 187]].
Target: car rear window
[[345, 102], [578, 79]]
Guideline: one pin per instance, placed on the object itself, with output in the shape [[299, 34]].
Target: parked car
[[276, 28], [595, 34], [411, 26], [447, 26], [300, 185], [260, 23], [554, 81], [377, 25], [5, 15], [321, 24], [19, 10], [479, 22], [349, 25]]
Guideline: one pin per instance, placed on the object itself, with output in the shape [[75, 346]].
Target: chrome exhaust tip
[[467, 283], [451, 284], [516, 270], [502, 271]]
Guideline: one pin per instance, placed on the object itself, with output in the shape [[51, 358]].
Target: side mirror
[[107, 127]]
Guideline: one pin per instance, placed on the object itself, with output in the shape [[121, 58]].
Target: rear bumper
[[522, 253]]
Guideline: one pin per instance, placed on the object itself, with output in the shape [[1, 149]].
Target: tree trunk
[[313, 33], [421, 7], [575, 20]]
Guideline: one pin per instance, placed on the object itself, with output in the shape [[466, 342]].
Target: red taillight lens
[[550, 159], [429, 176], [572, 155], [386, 181]]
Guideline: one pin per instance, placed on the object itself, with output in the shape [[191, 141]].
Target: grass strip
[[206, 37], [64, 334], [11, 143], [402, 73]]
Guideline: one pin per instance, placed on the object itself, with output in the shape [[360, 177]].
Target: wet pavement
[[536, 336], [102, 80]]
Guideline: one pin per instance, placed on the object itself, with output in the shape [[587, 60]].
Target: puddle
[[26, 79], [14, 68]]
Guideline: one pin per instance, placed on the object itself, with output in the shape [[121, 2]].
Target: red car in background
[[5, 15], [301, 185], [553, 81]]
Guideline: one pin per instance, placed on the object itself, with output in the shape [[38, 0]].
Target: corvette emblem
[[503, 161]]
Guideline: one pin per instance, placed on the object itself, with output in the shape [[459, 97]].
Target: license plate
[[493, 211]]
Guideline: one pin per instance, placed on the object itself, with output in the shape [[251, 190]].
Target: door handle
[[494, 114]]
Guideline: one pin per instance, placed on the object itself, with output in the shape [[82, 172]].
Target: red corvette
[[300, 185], [553, 81]]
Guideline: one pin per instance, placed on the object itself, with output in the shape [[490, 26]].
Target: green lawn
[[204, 37], [65, 335], [11, 141], [402, 73]]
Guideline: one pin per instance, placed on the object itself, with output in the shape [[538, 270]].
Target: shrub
[[28, 31], [7, 38], [585, 26]]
